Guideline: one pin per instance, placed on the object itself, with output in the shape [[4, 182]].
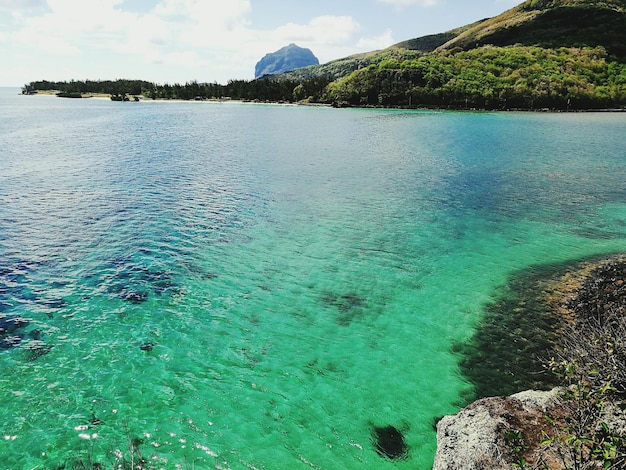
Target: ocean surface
[[225, 285]]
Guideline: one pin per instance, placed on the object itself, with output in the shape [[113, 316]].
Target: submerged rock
[[36, 349], [390, 443], [134, 296], [133, 282], [349, 306], [56, 303], [10, 341], [11, 323], [35, 334], [12, 330], [147, 346]]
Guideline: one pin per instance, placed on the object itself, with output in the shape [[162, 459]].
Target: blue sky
[[175, 41]]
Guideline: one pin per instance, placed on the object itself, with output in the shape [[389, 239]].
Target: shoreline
[[532, 426], [142, 98]]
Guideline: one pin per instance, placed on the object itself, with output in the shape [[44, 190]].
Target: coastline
[[533, 427], [144, 99]]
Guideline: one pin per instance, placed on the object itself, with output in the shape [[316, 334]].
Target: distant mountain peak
[[284, 60]]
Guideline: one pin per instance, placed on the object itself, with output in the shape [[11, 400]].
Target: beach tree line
[[273, 89], [488, 77]]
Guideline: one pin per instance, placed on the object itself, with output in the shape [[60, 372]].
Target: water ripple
[[298, 274]]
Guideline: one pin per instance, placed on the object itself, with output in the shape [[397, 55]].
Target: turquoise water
[[301, 273]]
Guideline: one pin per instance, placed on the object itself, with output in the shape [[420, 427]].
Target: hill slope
[[551, 23], [558, 54], [543, 23], [433, 41]]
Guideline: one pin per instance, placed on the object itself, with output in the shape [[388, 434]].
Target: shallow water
[[300, 273]]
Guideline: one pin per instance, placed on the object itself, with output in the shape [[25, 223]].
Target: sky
[[177, 41]]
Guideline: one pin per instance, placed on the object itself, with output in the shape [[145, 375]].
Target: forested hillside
[[490, 78], [557, 54]]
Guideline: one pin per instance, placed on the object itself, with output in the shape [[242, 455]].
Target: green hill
[[433, 41], [551, 23], [560, 54], [543, 23]]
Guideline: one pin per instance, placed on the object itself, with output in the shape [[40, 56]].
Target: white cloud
[[69, 26], [185, 59], [220, 13], [377, 42], [329, 30], [508, 3], [176, 40], [408, 3], [17, 5]]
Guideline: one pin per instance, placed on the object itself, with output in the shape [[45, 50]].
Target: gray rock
[[539, 400], [283, 60], [474, 438]]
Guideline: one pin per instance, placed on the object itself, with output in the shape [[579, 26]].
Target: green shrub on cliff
[[491, 78], [591, 360]]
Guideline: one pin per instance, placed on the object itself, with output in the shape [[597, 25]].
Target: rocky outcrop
[[482, 435], [283, 60], [582, 426]]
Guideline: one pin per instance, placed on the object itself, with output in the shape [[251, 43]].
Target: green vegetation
[[514, 439], [587, 429], [583, 439], [552, 24], [554, 54], [591, 360], [116, 87], [489, 77], [264, 89], [69, 95], [433, 41], [512, 77]]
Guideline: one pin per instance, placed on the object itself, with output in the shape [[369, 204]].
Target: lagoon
[[240, 286]]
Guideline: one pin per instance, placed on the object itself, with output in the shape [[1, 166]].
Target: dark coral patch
[[147, 346], [349, 306], [134, 282], [344, 302], [36, 349], [11, 323], [389, 443], [11, 330], [134, 296], [8, 342]]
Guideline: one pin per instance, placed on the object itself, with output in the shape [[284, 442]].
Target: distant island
[[542, 54], [286, 59]]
